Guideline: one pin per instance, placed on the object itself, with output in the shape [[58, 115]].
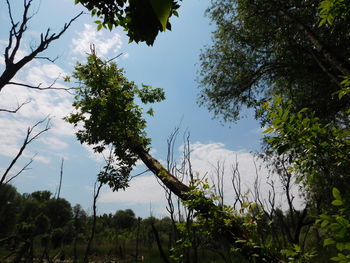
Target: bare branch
[[38, 87], [61, 175], [27, 140], [14, 43], [24, 168], [47, 58], [117, 56], [19, 106], [132, 177]]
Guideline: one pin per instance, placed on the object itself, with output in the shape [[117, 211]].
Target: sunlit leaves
[[318, 153], [107, 115]]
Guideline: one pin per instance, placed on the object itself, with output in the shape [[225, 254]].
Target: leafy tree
[[10, 202], [142, 19], [261, 48], [124, 219], [59, 211], [41, 196], [318, 153], [113, 116], [108, 115]]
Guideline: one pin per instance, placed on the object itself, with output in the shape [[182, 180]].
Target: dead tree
[[16, 35], [11, 68]]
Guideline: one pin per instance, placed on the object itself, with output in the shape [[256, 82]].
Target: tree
[[9, 207], [142, 19], [124, 219], [261, 48], [108, 115], [17, 32], [16, 35]]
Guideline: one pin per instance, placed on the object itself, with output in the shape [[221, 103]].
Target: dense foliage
[[142, 19], [105, 105], [262, 48]]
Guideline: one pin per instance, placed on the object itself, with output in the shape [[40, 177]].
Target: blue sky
[[172, 64]]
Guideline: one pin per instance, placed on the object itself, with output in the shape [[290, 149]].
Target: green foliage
[[108, 114], [142, 19], [258, 52], [333, 9], [124, 220], [337, 228], [297, 255], [10, 202], [318, 153]]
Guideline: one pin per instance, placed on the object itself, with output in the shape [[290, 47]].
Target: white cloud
[[103, 43], [142, 190], [42, 103], [204, 159]]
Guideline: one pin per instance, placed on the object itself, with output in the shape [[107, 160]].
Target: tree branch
[[14, 43], [27, 140], [19, 106], [38, 87]]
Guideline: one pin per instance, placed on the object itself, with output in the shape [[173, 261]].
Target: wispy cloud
[[204, 159], [103, 43]]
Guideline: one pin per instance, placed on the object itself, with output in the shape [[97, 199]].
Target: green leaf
[[337, 202], [268, 130], [336, 193], [328, 241], [162, 9], [150, 112]]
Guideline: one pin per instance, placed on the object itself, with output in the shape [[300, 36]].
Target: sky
[[172, 63]]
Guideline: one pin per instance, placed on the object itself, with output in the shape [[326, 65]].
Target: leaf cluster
[[107, 114], [337, 227], [318, 153], [142, 19]]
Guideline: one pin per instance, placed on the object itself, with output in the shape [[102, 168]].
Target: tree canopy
[[261, 48]]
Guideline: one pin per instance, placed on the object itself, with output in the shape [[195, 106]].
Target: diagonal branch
[[27, 140], [24, 168]]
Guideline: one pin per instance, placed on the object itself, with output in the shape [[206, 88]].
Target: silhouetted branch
[[24, 168], [38, 87], [27, 140], [19, 106], [14, 42]]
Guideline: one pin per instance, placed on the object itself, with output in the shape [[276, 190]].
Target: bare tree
[[16, 35], [12, 67]]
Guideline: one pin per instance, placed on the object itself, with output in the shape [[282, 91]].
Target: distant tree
[[41, 196], [124, 219], [59, 212], [10, 204]]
